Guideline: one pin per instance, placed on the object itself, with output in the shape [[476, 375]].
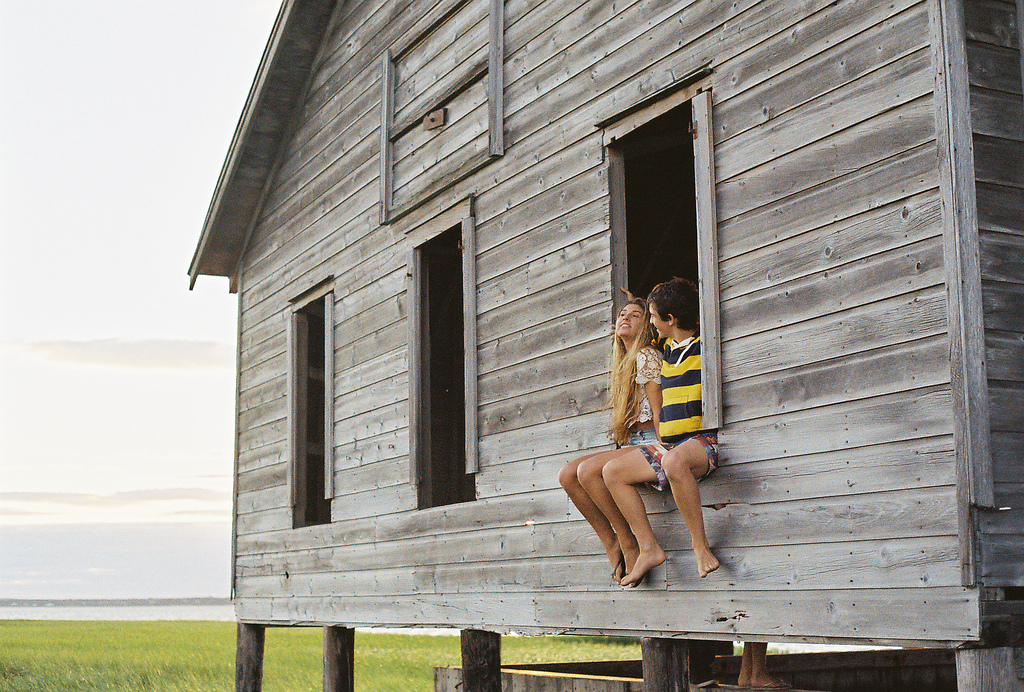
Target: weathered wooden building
[[425, 212]]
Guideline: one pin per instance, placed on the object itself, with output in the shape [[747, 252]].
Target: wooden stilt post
[[702, 654], [249, 644], [990, 670], [339, 655], [666, 664], [481, 661]]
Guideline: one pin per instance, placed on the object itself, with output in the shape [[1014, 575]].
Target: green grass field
[[178, 656]]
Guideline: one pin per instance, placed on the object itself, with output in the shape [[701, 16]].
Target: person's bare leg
[[612, 530], [683, 465], [754, 671], [568, 477], [744, 678], [620, 475]]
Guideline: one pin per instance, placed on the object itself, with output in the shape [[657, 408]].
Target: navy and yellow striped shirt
[[681, 410]]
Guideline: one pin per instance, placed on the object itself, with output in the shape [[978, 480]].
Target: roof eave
[[282, 77]]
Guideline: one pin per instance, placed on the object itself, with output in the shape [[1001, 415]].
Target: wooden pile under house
[[426, 211]]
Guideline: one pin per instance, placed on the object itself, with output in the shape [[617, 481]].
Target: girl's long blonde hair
[[625, 394]]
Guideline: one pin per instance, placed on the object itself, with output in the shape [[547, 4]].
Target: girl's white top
[[648, 369]]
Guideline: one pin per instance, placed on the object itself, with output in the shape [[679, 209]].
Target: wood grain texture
[[250, 643], [997, 120], [988, 670], [339, 659], [839, 480], [810, 614]]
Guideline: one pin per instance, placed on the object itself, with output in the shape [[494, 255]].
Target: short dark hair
[[679, 299]]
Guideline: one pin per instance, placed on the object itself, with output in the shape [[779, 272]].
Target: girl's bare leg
[[753, 670], [589, 474], [620, 474], [683, 465], [569, 479]]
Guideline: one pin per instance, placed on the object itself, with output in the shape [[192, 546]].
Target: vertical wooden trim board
[[707, 260], [387, 118], [469, 341], [329, 396], [1020, 41], [968, 377], [237, 444], [496, 79], [415, 318], [291, 344], [617, 225]]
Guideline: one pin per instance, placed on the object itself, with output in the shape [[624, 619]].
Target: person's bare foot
[[647, 561], [618, 563], [630, 555], [706, 561]]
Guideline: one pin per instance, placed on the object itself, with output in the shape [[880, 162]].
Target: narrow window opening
[[661, 178], [660, 201], [441, 447], [311, 507]]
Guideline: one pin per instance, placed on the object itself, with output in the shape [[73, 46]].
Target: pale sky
[[116, 382]]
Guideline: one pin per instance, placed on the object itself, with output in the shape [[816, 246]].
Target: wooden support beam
[[249, 657], [481, 661], [339, 656], [701, 656], [990, 670], [666, 664]]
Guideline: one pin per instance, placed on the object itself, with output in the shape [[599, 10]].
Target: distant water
[[109, 609]]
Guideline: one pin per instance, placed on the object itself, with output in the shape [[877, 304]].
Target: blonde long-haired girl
[[635, 364], [635, 400]]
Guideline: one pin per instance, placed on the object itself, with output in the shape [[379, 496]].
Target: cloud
[[175, 354], [118, 499], [23, 512]]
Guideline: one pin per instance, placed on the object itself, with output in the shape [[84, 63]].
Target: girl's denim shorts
[[644, 436]]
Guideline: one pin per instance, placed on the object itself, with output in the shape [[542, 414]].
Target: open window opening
[[443, 452], [311, 394], [658, 200], [663, 216]]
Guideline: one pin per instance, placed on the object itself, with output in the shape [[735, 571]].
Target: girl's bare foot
[[647, 561], [618, 563], [706, 561], [630, 555]]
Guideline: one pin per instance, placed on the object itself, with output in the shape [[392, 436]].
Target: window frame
[[460, 215], [297, 400], [390, 132], [694, 89]]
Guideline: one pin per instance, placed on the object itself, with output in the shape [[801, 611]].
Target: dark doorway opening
[[442, 425]]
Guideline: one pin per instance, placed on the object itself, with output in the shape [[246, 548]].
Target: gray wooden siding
[[997, 119], [839, 517]]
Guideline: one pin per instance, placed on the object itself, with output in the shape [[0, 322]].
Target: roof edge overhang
[[282, 78]]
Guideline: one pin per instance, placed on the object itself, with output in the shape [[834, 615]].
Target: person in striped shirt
[[687, 452]]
